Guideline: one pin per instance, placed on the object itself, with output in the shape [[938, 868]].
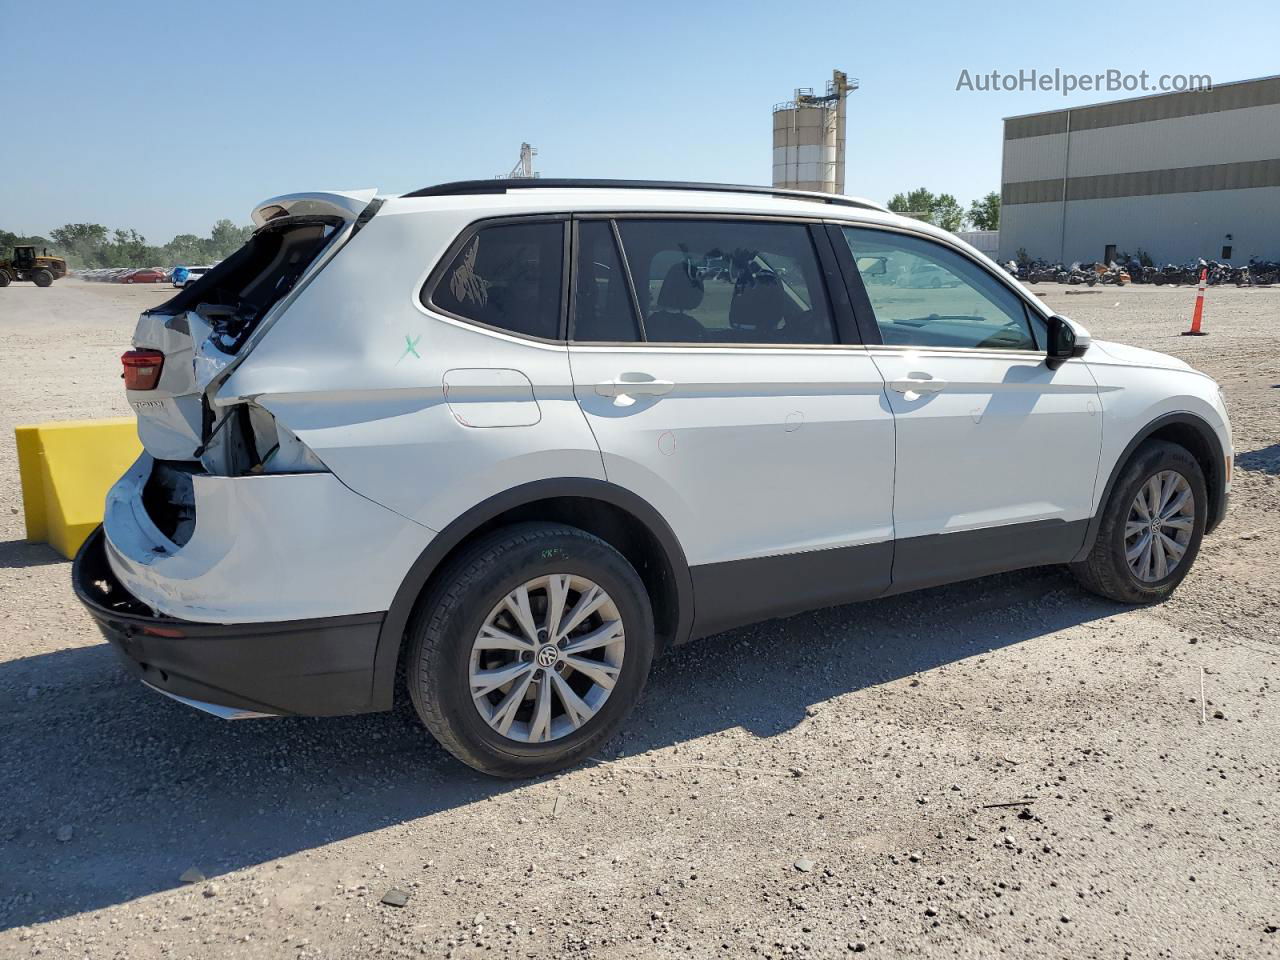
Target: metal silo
[[808, 138]]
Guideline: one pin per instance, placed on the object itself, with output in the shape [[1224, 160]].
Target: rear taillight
[[142, 369]]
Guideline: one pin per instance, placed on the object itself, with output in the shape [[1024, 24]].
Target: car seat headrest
[[681, 288]]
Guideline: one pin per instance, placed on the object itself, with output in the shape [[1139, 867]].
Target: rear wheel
[[531, 649], [1151, 528], [4, 278], [42, 278]]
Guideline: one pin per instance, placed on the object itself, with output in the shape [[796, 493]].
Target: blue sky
[[167, 117]]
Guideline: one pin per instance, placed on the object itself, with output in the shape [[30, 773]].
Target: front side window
[[925, 295], [733, 281], [508, 276]]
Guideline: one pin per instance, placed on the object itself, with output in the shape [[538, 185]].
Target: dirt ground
[[833, 783]]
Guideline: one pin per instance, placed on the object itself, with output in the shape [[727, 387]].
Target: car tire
[[1111, 569], [42, 278], [445, 653]]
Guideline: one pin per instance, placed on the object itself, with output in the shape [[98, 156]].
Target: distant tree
[[941, 209], [186, 249], [918, 201], [79, 235], [9, 240], [81, 243], [226, 238], [984, 214], [93, 245], [130, 245], [947, 212]]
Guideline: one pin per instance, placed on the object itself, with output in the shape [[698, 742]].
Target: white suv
[[503, 442]]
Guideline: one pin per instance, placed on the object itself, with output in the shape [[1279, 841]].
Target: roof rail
[[467, 187]]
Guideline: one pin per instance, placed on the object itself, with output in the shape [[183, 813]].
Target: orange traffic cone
[[1195, 330]]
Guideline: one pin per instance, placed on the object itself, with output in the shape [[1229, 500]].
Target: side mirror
[[1062, 343]]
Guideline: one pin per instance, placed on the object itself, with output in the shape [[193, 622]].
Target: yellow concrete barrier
[[66, 468]]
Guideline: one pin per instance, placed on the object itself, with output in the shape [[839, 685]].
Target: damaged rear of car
[[214, 572]]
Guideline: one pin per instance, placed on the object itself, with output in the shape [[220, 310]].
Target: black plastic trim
[[750, 590], [316, 667], [864, 314], [630, 278], [738, 592], [393, 627], [1215, 480], [474, 187], [837, 290], [932, 560]]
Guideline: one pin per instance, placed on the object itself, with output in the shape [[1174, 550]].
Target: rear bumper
[[317, 667], [266, 548]]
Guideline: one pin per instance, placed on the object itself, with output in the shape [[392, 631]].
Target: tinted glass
[[603, 311], [928, 296], [735, 281], [508, 276]]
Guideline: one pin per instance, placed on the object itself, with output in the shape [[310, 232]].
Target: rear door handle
[[917, 385], [628, 386]]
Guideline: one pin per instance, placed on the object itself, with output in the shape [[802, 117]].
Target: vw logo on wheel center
[[547, 656]]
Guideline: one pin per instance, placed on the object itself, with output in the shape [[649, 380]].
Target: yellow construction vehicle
[[41, 270]]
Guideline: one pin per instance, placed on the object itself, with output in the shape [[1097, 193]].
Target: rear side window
[[507, 276], [732, 281]]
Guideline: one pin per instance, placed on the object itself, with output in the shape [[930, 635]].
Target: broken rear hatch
[[185, 348]]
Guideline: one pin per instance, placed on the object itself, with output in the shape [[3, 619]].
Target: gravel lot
[[810, 787]]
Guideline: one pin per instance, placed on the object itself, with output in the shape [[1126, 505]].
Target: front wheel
[[42, 278], [531, 649], [1151, 527]]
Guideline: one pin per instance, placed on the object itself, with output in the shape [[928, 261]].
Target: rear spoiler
[[346, 204]]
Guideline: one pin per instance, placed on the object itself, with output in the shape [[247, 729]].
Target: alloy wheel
[[1158, 528], [547, 658]]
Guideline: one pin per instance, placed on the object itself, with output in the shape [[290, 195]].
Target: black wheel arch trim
[[391, 636], [1215, 480]]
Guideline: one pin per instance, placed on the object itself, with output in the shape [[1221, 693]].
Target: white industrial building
[[1178, 175]]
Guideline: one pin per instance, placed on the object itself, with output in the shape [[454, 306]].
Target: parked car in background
[[498, 444], [185, 276], [145, 275], [928, 276]]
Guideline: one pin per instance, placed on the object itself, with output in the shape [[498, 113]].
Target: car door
[[996, 453], [725, 386]]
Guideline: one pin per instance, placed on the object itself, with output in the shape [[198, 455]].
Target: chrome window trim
[[667, 346]]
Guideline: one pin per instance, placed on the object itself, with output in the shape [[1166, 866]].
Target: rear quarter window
[[508, 276]]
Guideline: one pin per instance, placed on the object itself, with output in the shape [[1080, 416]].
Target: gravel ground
[[836, 782]]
